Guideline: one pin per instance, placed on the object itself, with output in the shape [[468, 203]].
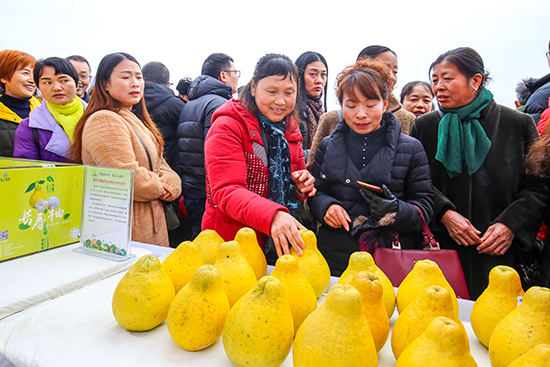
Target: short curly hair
[[372, 78]]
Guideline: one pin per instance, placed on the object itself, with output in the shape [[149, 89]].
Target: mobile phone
[[370, 187]]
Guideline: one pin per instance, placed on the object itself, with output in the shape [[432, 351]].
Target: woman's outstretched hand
[[337, 217], [304, 182], [285, 229]]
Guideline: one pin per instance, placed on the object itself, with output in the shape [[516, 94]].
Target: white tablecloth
[[78, 329], [30, 280]]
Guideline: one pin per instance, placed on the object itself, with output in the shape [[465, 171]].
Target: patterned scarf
[[461, 139], [314, 110], [281, 187]]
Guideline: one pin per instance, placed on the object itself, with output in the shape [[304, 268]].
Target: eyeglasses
[[84, 76], [238, 72]]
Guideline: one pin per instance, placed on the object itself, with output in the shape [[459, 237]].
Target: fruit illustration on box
[[37, 197], [39, 200]]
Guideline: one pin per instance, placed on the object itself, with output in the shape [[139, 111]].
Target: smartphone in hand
[[370, 187]]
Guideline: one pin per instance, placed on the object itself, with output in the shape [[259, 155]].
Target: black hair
[[215, 64], [156, 72], [302, 62], [522, 91], [373, 51], [183, 85], [80, 59], [408, 88], [468, 62], [61, 66], [270, 65]]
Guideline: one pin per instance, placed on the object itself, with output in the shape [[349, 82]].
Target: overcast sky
[[511, 36]]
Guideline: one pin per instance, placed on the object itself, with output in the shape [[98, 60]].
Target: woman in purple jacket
[[47, 133]]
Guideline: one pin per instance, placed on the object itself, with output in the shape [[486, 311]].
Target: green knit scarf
[[461, 139], [67, 115]]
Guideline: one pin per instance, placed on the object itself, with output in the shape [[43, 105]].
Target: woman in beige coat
[[114, 131]]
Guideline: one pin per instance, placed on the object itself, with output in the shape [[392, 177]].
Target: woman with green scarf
[[485, 206], [47, 133]]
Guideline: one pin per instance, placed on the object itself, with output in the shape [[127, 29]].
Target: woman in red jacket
[[255, 169]]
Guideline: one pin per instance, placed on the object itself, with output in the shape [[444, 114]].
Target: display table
[[29, 280], [78, 329]]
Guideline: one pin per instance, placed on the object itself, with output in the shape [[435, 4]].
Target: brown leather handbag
[[397, 263]]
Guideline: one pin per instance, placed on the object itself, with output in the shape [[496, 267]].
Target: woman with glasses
[[116, 131], [255, 170], [485, 206], [47, 133], [17, 89]]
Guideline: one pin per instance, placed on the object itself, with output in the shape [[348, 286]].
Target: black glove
[[382, 205]]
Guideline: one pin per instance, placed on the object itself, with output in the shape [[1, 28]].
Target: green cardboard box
[[41, 205]]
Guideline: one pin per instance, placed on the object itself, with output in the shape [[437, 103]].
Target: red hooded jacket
[[237, 175]]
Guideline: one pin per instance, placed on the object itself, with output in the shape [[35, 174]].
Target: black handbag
[[172, 220]]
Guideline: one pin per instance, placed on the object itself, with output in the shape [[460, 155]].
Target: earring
[[475, 89]]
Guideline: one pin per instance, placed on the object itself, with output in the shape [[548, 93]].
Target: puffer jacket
[[237, 174], [401, 165], [9, 121], [206, 94], [165, 109]]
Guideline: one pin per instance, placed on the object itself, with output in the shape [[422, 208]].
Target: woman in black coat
[[367, 145], [485, 206]]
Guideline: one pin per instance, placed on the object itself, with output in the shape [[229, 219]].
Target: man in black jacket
[[216, 84], [163, 106]]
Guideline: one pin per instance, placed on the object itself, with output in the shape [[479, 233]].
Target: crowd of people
[[275, 160]]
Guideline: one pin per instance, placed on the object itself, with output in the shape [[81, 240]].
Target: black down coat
[[522, 199], [401, 165], [165, 109], [205, 94]]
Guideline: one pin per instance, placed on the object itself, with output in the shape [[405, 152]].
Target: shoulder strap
[[429, 241], [36, 141], [146, 152]]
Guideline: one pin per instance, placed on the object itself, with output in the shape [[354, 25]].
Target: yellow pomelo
[[336, 333], [522, 329], [259, 329], [443, 343], [498, 300], [143, 296], [209, 242], [298, 291], [237, 274], [425, 273], [313, 264], [371, 290], [182, 263], [363, 261], [411, 323], [246, 237], [198, 312], [539, 356]]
